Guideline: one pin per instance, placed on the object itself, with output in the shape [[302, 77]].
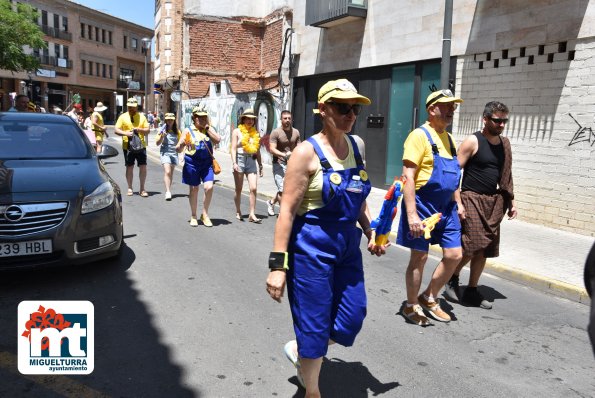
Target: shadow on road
[[130, 360], [346, 379]]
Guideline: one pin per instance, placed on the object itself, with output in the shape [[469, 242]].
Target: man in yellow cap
[[433, 174], [129, 124]]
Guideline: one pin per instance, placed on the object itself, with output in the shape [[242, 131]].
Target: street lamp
[[146, 47]]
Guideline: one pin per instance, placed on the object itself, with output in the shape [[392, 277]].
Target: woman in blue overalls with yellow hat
[[197, 143], [316, 245]]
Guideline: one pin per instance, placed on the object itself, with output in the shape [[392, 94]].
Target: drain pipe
[[446, 35]]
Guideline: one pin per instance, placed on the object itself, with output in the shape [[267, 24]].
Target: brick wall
[[549, 89], [246, 52]]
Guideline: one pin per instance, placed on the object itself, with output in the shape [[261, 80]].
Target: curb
[[538, 282]]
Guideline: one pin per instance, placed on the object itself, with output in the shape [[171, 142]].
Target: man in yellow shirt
[[129, 124], [433, 174]]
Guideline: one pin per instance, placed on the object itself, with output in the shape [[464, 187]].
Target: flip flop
[[239, 217], [129, 193], [255, 220], [144, 194]]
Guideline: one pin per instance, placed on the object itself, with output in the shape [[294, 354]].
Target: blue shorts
[[447, 232], [193, 176], [169, 158]]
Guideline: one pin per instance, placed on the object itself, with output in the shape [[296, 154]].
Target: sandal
[[144, 194], [129, 192], [239, 217], [255, 220]]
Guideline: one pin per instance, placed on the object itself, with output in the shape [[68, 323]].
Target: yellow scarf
[[250, 139]]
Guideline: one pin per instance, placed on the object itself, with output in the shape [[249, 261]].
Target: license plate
[[10, 249]]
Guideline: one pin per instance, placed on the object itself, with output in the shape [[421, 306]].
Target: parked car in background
[[58, 204]]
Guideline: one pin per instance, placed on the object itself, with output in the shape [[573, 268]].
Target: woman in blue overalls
[[198, 141], [316, 245]]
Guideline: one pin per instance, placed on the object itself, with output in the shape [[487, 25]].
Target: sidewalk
[[543, 258]]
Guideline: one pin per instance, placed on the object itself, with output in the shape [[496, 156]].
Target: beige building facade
[[89, 53], [536, 56]]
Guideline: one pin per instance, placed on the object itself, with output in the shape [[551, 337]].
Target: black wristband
[[278, 261]]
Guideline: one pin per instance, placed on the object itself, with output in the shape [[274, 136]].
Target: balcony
[[328, 13], [56, 33], [55, 61], [132, 85]]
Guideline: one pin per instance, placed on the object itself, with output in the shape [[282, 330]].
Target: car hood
[[25, 176]]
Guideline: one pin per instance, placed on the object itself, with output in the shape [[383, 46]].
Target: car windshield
[[43, 140]]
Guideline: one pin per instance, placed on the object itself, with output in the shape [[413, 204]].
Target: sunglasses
[[344, 109], [498, 121]]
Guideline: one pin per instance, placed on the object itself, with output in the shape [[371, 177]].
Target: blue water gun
[[383, 223]]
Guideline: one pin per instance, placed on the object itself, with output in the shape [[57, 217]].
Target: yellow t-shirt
[[124, 123], [417, 149], [313, 195]]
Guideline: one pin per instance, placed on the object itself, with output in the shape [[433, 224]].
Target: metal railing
[[321, 12], [55, 61], [56, 33]]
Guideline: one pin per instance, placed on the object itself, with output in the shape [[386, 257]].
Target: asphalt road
[[184, 313]]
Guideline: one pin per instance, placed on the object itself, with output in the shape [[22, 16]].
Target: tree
[[19, 29]]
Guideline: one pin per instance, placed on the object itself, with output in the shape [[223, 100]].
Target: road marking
[[59, 384]]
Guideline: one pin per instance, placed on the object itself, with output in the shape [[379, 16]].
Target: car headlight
[[100, 198]]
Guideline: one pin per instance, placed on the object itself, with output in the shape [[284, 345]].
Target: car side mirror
[[107, 151]]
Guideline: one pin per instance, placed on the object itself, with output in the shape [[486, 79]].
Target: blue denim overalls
[[325, 280], [198, 167], [436, 197]]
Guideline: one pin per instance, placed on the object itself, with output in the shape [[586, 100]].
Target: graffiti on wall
[[582, 134], [224, 116]]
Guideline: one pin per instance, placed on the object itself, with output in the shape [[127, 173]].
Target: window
[[90, 32], [97, 69], [44, 17], [103, 35], [126, 75], [65, 24], [56, 21], [96, 33], [103, 74], [111, 72], [157, 44], [84, 67], [134, 44], [83, 30], [110, 37], [90, 68], [125, 41], [65, 51]]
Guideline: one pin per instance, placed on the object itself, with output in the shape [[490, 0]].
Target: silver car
[[58, 205]]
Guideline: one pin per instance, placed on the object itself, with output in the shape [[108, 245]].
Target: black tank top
[[482, 171]]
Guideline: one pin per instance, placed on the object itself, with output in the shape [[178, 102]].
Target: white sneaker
[[270, 208], [293, 358], [168, 196]]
